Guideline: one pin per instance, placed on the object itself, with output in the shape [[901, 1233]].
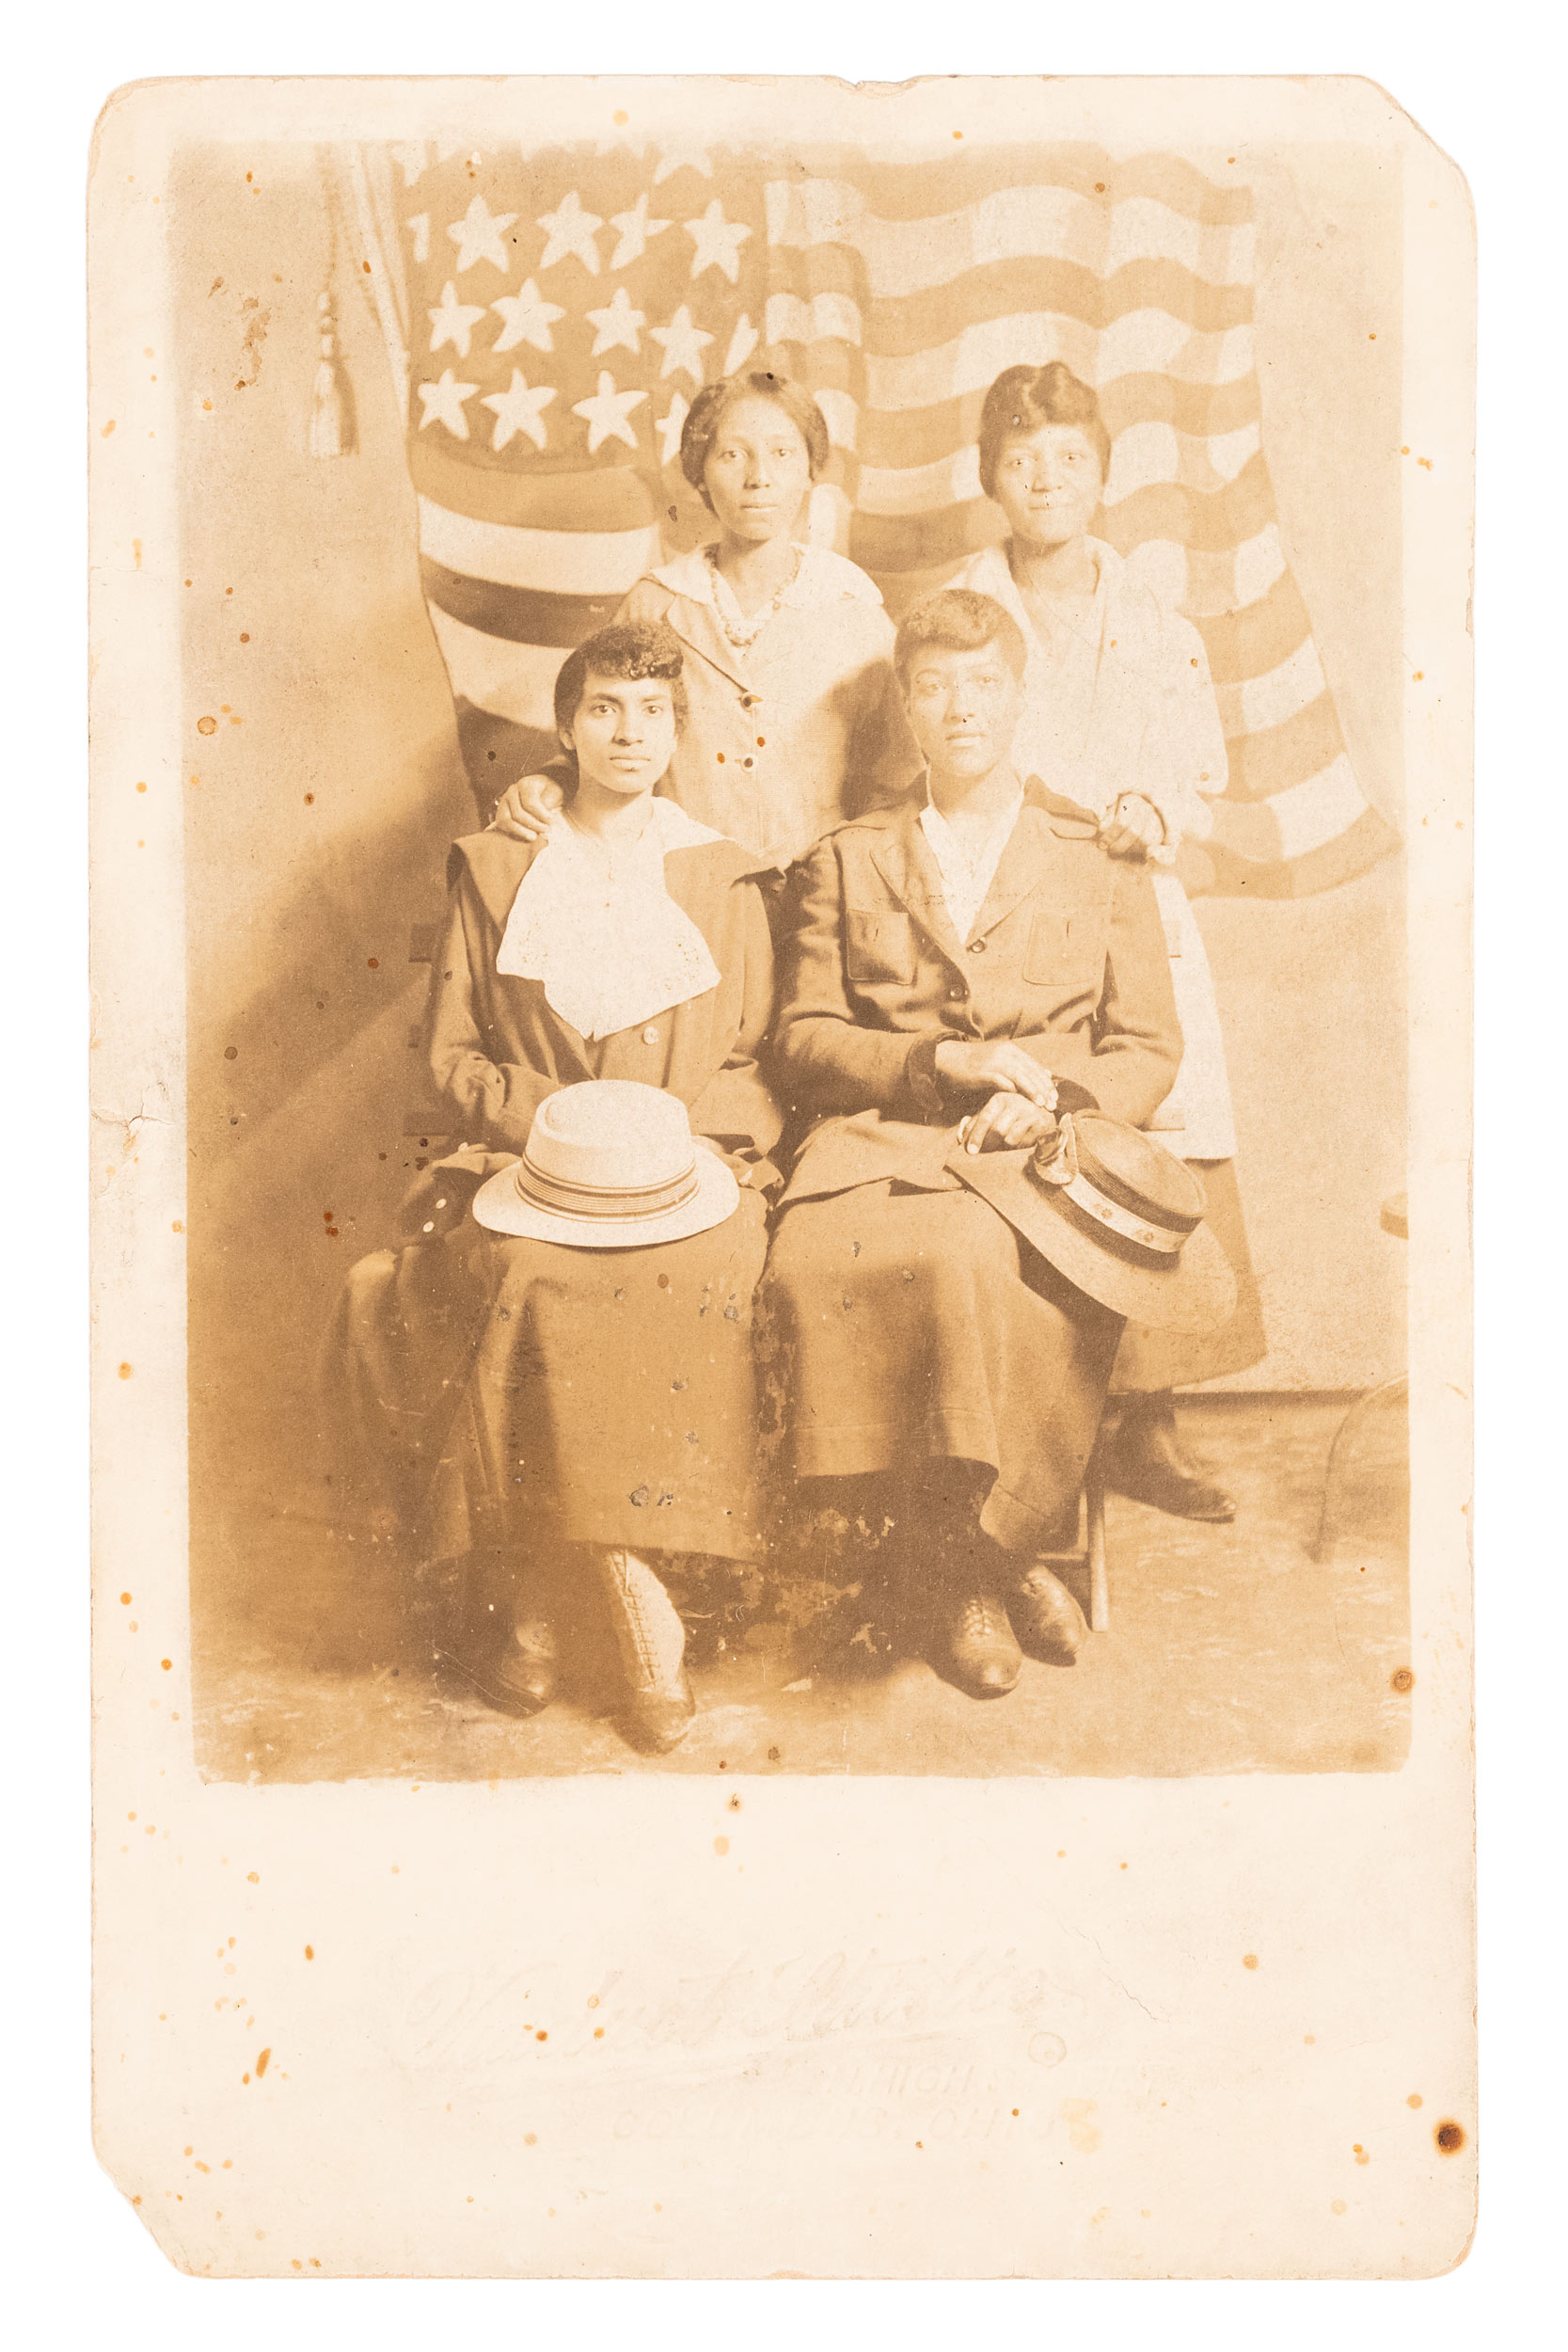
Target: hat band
[[1061, 1172], [595, 1204]]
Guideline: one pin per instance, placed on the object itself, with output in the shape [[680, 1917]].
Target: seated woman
[[959, 965], [591, 1332]]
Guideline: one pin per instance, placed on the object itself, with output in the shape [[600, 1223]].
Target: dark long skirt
[[502, 1393], [1149, 1359], [903, 1327]]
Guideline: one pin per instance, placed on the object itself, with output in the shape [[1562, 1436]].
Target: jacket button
[[650, 1035], [762, 742], [748, 761], [976, 946]]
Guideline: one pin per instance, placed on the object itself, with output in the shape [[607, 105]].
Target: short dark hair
[[1023, 399], [707, 413], [959, 620], [629, 650]]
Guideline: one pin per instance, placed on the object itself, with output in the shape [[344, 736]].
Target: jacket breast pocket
[[880, 946], [1065, 950]]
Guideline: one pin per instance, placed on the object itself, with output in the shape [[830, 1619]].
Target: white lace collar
[[604, 938]]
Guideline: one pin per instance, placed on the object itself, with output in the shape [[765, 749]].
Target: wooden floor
[[1231, 1649]]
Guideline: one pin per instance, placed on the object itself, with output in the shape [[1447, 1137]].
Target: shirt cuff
[[920, 1073]]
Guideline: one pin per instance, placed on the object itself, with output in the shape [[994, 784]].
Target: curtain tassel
[[332, 420]]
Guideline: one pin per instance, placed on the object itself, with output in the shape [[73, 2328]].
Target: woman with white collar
[[1120, 717], [796, 721], [560, 1382]]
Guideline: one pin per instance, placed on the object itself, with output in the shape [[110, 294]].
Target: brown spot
[[620, 116], [245, 2078], [958, 135], [1249, 1959], [141, 787], [263, 2061], [1426, 462], [1402, 1680], [721, 1846], [230, 1053], [108, 429], [253, 1877], [166, 1665], [1099, 187], [664, 1282], [599, 2033], [125, 1603], [735, 1803], [1338, 2205], [207, 725], [530, 2139], [310, 796], [1413, 2099], [1371, 339], [1416, 676], [374, 962], [125, 1372], [244, 637], [310, 1952], [541, 2035], [177, 1227], [1450, 2138], [773, 1755], [1404, 449]]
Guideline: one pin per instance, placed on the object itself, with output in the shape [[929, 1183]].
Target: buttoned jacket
[[1066, 958], [496, 1048]]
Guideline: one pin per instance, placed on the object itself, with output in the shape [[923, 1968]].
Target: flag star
[[617, 324], [570, 230], [718, 241], [681, 344], [477, 236], [637, 231], [517, 410], [742, 343], [528, 317], [443, 404], [671, 158], [607, 412], [670, 427], [454, 322]]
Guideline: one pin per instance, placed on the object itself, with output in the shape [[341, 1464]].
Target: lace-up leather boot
[[977, 1646], [651, 1641]]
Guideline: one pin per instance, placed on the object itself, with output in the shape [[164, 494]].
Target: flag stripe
[[578, 563], [513, 681], [608, 499], [1254, 638], [903, 191], [1351, 853], [524, 616], [1266, 762], [915, 436]]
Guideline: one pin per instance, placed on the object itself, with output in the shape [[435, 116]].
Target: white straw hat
[[610, 1165]]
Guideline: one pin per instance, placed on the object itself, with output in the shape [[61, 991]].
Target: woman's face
[[758, 469], [1048, 483], [623, 733]]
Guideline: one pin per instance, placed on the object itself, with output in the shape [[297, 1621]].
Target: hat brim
[[1195, 1292], [501, 1206]]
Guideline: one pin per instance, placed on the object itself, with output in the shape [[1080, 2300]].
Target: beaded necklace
[[742, 633]]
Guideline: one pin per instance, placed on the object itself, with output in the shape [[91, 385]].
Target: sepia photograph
[[784, 895]]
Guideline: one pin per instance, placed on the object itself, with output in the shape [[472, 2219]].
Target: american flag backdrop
[[551, 313]]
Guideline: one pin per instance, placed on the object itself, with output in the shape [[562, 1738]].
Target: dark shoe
[[519, 1678], [651, 1640], [1145, 1460], [1048, 1621], [977, 1649]]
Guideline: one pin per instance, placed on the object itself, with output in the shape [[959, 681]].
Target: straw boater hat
[[1119, 1215], [610, 1165]]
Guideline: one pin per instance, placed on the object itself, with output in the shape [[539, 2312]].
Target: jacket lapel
[[1028, 860], [903, 858], [697, 626]]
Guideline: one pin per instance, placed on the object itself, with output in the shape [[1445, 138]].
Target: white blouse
[[599, 931]]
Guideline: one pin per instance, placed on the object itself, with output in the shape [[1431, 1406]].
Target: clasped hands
[[1019, 1112]]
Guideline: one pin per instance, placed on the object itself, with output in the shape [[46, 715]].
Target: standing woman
[[562, 1381], [1120, 717], [796, 721]]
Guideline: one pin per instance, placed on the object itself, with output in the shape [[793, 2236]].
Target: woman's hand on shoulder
[[1133, 827], [1006, 1123], [524, 810]]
